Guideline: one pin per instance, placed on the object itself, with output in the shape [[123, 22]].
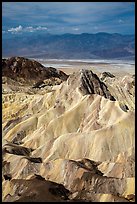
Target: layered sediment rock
[[77, 133], [90, 84]]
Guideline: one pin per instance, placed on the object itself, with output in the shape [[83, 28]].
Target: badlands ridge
[[66, 137]]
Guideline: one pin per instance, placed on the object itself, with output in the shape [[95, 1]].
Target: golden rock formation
[[79, 135]]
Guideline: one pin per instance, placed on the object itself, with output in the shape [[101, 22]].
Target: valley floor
[[115, 67]]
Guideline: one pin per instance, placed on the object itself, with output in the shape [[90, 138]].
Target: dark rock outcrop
[[37, 190], [38, 84], [34, 159], [91, 84], [106, 74], [19, 67], [90, 166], [6, 170], [17, 150]]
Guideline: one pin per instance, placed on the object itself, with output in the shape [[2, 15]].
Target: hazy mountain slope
[[100, 45]]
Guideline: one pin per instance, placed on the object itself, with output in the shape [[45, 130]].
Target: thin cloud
[[16, 30], [20, 29], [40, 28]]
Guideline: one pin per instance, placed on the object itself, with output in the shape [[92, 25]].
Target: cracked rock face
[[91, 84], [74, 141]]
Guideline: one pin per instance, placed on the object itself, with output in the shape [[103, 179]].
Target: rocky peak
[[20, 67], [91, 84]]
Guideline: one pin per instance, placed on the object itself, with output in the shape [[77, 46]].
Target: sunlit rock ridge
[[66, 138]]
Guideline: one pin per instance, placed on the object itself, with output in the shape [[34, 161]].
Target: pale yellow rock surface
[[64, 125]]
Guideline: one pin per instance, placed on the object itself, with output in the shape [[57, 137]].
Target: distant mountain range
[[69, 46]]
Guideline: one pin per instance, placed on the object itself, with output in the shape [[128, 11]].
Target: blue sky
[[68, 17]]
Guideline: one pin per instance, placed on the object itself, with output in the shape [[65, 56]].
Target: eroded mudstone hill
[[79, 134]]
